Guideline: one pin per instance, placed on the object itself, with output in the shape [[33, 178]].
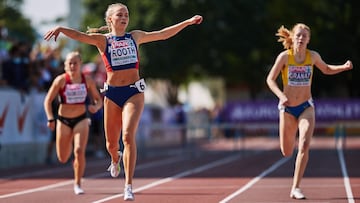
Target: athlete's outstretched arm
[[92, 39], [165, 33]]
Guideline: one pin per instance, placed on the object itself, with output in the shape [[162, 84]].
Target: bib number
[[140, 85], [105, 88]]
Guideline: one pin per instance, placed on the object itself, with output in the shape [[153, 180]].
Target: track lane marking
[[256, 179], [97, 175], [339, 148], [177, 176]]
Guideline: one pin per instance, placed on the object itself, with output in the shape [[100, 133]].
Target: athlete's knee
[[286, 149], [79, 151], [112, 146], [128, 138], [304, 146], [62, 159], [286, 152]]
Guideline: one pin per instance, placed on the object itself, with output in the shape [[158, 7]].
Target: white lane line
[[256, 179], [179, 175], [64, 183], [347, 184], [37, 189]]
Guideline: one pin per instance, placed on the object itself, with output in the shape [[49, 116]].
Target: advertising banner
[[22, 118], [267, 111]]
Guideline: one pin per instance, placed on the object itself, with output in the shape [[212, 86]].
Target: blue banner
[[266, 111]]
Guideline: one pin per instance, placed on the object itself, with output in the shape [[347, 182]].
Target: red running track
[[248, 170]]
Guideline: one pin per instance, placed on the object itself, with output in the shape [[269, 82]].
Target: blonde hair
[[286, 36], [69, 57], [108, 13], [73, 54]]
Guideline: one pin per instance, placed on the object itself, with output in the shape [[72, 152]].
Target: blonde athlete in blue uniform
[[124, 98], [296, 108]]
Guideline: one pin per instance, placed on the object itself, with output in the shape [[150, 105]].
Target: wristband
[[51, 120]]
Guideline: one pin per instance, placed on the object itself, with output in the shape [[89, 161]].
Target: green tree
[[334, 34], [236, 40], [18, 26]]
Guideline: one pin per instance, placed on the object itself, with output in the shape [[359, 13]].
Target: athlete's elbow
[[269, 82]]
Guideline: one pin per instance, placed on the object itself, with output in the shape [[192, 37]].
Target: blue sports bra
[[121, 53]]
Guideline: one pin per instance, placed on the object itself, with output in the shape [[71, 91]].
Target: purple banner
[[266, 111]]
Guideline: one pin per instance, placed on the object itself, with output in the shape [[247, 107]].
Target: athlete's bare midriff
[[122, 77], [71, 110], [297, 95]]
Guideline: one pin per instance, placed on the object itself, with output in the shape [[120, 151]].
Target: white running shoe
[[296, 193], [78, 190], [128, 194], [114, 168]]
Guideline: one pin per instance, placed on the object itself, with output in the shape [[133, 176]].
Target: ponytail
[[104, 28], [284, 37]]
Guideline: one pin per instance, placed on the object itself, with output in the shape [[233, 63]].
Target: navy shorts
[[120, 94], [296, 111]]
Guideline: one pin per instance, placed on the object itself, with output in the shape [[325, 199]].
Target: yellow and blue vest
[[298, 74]]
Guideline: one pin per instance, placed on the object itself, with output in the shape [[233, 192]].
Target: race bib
[[299, 75], [140, 85], [105, 88], [123, 52]]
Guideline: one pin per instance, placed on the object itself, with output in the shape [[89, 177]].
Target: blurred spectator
[[15, 70], [96, 71], [180, 119], [4, 47], [216, 121], [46, 65]]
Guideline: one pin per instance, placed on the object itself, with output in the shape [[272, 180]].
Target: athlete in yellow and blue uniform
[[297, 113], [297, 74]]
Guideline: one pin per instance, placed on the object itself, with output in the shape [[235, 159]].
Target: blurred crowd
[[30, 67], [27, 67]]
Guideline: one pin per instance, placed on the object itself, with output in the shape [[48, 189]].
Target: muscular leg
[[64, 140], [81, 134], [131, 117], [112, 127], [306, 130], [287, 133]]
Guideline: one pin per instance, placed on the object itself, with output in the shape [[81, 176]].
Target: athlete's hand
[[51, 125], [348, 65], [53, 32], [283, 100], [197, 19], [93, 108]]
